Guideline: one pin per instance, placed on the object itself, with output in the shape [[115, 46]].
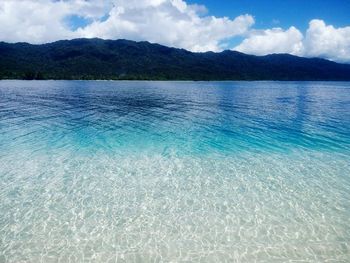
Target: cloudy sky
[[312, 28]]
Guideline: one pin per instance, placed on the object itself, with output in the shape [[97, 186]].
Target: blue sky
[[281, 13], [310, 28], [287, 13]]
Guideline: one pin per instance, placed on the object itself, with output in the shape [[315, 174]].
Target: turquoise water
[[174, 171]]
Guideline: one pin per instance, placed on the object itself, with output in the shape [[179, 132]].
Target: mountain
[[124, 59]]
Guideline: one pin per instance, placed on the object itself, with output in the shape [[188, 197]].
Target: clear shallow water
[[174, 171]]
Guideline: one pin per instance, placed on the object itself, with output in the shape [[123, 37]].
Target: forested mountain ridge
[[124, 59]]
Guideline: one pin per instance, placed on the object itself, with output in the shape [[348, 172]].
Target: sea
[[142, 171]]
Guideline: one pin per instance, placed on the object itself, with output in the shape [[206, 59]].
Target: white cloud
[[327, 41], [320, 40], [276, 40], [169, 22], [32, 21], [40, 21]]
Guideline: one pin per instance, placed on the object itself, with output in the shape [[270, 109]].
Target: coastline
[[182, 80]]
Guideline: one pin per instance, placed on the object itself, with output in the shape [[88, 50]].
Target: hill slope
[[123, 59]]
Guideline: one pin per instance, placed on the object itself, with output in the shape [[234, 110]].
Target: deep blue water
[[179, 117], [174, 171]]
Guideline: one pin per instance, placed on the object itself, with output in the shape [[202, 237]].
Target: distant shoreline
[[98, 59], [174, 80]]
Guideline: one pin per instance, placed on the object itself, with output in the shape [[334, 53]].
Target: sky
[[310, 28]]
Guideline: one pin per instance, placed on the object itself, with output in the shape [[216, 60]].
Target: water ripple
[[174, 171]]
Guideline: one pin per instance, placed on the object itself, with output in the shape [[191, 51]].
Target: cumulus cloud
[[40, 21], [32, 21], [169, 22], [327, 41], [276, 40], [320, 40]]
